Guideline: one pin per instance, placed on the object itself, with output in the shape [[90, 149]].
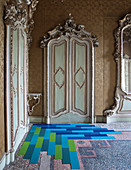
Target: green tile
[[24, 148], [39, 142], [37, 131], [58, 152], [52, 137], [72, 146]]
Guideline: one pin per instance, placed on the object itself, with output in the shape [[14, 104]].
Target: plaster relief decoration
[[15, 15], [69, 72], [18, 14], [122, 106], [30, 25], [31, 105]]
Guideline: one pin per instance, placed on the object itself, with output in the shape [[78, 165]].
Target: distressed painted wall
[[2, 136], [100, 17]]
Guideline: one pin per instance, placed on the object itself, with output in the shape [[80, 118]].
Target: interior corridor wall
[[2, 134]]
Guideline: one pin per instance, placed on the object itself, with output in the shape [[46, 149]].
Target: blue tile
[[65, 156], [102, 137], [110, 133], [74, 160], [65, 142], [55, 130], [29, 137], [35, 156], [47, 135], [34, 139], [45, 145], [91, 128], [29, 152], [82, 131], [89, 137], [85, 125], [33, 128], [96, 135], [51, 148], [100, 130], [42, 132], [64, 133], [58, 140], [70, 125], [73, 135]]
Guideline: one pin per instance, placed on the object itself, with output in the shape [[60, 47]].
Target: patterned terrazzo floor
[[79, 147]]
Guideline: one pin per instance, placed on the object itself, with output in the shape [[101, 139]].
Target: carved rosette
[[69, 29]]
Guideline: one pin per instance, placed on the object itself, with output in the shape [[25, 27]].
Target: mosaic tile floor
[[75, 146]]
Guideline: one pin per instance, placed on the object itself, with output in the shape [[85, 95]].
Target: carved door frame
[[68, 31]]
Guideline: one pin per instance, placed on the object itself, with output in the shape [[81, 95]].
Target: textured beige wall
[[2, 137], [100, 17]]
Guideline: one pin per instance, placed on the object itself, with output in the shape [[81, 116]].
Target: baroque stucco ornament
[[123, 30], [30, 25], [15, 15], [69, 29]]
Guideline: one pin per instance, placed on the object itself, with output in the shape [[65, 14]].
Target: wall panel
[[2, 134]]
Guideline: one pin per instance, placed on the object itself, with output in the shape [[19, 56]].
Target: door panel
[[59, 78], [21, 70], [80, 76], [15, 80]]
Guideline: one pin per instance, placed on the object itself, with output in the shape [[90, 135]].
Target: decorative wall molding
[[30, 25], [69, 29], [120, 93], [15, 15], [116, 105], [18, 15], [30, 97]]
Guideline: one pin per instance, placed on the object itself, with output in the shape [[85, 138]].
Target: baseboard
[[40, 119], [119, 118], [37, 119], [100, 119], [10, 156]]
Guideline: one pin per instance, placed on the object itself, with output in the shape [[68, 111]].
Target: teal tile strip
[[35, 156], [51, 148], [74, 160]]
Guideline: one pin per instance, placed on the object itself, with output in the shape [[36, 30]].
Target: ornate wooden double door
[[69, 80], [69, 73]]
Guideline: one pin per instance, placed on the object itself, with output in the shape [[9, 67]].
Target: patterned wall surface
[[100, 17], [2, 142]]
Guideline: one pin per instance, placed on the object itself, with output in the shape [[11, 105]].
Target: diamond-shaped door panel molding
[[59, 77], [79, 77]]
